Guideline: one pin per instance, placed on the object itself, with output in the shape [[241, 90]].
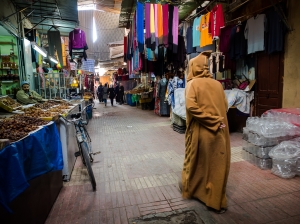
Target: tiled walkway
[[137, 172]]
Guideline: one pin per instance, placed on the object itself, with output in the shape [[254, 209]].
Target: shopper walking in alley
[[100, 92], [117, 88], [105, 93], [121, 93], [207, 154], [111, 95]]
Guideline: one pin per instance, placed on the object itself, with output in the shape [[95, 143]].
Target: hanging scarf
[[134, 31], [160, 24], [140, 26], [165, 9], [175, 29], [156, 24], [170, 25], [152, 24], [147, 25]]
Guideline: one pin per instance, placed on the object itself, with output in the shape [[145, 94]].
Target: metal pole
[[5, 18]]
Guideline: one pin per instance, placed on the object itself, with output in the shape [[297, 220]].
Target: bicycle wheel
[[86, 158]]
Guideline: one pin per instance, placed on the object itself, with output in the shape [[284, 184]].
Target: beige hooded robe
[[207, 155]]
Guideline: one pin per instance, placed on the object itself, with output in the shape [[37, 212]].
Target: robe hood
[[200, 68]]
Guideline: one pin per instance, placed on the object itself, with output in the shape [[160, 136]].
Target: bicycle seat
[[76, 116]]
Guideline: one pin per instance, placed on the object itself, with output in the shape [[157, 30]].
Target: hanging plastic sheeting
[[116, 49]]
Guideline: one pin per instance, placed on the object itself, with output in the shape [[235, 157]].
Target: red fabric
[[125, 45], [120, 71], [86, 81], [165, 9], [216, 21]]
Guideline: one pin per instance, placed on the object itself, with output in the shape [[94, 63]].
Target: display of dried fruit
[[46, 105], [10, 102], [66, 104], [63, 107], [36, 112], [18, 126], [57, 110]]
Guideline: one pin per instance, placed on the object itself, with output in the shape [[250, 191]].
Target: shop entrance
[[269, 82]]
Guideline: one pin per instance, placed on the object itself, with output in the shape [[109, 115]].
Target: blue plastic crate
[[129, 101]]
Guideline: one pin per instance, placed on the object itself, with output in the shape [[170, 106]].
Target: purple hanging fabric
[[147, 25], [175, 29], [155, 25]]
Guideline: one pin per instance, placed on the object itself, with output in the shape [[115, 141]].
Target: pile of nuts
[[10, 102], [18, 127]]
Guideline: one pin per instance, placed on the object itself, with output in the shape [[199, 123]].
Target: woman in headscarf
[[207, 155]]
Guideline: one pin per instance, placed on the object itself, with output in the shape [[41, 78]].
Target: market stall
[[49, 111], [140, 96], [30, 168]]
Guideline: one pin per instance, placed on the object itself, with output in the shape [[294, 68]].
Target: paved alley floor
[[137, 173]]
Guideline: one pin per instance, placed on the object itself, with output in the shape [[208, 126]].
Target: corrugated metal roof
[[185, 8], [62, 14]]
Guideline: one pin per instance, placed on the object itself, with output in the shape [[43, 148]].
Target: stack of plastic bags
[[262, 134], [286, 158]]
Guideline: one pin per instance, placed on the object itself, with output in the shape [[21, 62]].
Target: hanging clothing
[[216, 21], [181, 53], [207, 154], [224, 44], [134, 27], [152, 25], [156, 24], [160, 24], [54, 42], [189, 40], [160, 61], [275, 31], [171, 100], [125, 49], [206, 38], [196, 31], [77, 39], [157, 100], [147, 25], [255, 33], [165, 9], [162, 89], [175, 29], [140, 26], [170, 35], [238, 43]]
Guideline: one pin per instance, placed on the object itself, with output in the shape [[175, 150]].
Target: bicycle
[[83, 142]]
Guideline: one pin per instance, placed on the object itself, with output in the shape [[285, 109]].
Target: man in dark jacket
[[117, 93], [121, 93], [100, 93]]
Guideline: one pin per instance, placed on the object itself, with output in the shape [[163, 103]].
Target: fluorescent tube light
[[39, 49], [53, 59]]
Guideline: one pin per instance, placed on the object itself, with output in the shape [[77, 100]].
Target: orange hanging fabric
[[160, 24]]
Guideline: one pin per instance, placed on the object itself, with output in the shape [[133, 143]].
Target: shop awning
[[44, 14], [128, 8]]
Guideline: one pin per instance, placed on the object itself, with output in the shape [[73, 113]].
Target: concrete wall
[[291, 84]]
